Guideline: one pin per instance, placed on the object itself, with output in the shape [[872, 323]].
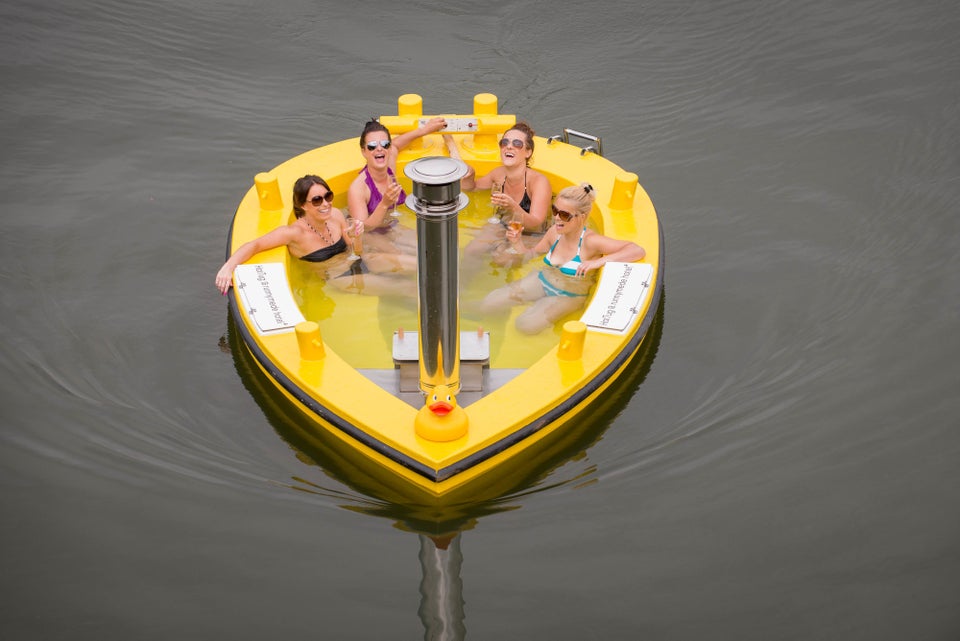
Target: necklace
[[324, 237]]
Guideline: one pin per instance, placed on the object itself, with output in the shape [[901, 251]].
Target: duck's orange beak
[[441, 408]]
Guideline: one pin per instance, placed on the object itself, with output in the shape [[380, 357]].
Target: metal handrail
[[567, 132]]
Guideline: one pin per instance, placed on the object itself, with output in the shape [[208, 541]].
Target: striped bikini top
[[570, 267]]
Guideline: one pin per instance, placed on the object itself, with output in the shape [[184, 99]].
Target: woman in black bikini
[[319, 235], [525, 192]]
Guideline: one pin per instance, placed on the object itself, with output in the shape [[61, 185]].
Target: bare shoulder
[[358, 195], [497, 173], [538, 182], [595, 241], [293, 231], [535, 177], [358, 182]]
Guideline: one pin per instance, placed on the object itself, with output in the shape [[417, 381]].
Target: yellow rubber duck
[[441, 419]]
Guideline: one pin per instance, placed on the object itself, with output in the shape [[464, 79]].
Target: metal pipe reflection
[[441, 589]]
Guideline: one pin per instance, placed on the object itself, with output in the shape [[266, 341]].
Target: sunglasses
[[316, 200], [564, 216], [371, 145], [516, 142]]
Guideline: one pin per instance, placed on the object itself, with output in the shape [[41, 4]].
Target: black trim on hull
[[488, 452]]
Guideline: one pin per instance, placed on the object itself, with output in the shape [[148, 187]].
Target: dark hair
[[369, 127], [300, 190], [527, 131]]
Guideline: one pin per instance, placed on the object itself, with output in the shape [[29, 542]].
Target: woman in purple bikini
[[375, 192], [522, 194]]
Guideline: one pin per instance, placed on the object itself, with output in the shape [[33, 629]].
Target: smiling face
[[566, 209], [379, 155], [319, 202], [510, 154]]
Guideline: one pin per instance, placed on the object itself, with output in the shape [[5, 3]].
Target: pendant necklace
[[323, 237]]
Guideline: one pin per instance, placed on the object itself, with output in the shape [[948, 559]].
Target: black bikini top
[[525, 201], [326, 253]]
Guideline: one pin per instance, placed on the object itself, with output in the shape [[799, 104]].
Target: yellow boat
[[349, 363]]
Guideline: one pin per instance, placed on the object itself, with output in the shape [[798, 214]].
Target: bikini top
[[525, 201], [570, 267], [325, 253], [525, 206], [375, 195]]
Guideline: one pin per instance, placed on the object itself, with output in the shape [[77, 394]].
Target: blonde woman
[[572, 256]]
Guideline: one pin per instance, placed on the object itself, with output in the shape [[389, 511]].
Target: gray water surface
[[785, 465]]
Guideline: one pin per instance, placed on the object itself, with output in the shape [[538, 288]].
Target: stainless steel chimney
[[437, 199]]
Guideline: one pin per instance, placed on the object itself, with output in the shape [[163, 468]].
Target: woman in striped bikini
[[572, 257]]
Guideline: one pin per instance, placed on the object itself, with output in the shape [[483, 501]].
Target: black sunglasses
[[564, 216], [316, 200], [516, 142], [374, 143]]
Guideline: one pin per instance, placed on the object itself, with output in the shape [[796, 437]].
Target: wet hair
[[582, 196], [300, 190], [527, 131], [371, 126]]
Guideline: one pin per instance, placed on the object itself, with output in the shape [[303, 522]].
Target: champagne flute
[[515, 224], [392, 180], [355, 231], [495, 188]]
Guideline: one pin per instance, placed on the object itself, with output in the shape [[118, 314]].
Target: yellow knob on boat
[[410, 104], [571, 340], [308, 338], [624, 189], [268, 191], [485, 107], [485, 104]]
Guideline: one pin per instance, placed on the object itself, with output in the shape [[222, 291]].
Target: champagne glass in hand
[[516, 226], [495, 188], [355, 232], [392, 180]]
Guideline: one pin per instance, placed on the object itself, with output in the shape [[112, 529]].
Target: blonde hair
[[582, 196]]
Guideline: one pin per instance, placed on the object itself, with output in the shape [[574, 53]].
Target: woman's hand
[[224, 278], [514, 237], [434, 124], [503, 201], [392, 194], [587, 265]]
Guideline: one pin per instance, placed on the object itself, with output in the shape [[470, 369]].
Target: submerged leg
[[375, 285], [547, 311], [522, 291], [386, 262]]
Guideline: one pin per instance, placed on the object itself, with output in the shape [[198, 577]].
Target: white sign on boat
[[621, 292], [266, 296]]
